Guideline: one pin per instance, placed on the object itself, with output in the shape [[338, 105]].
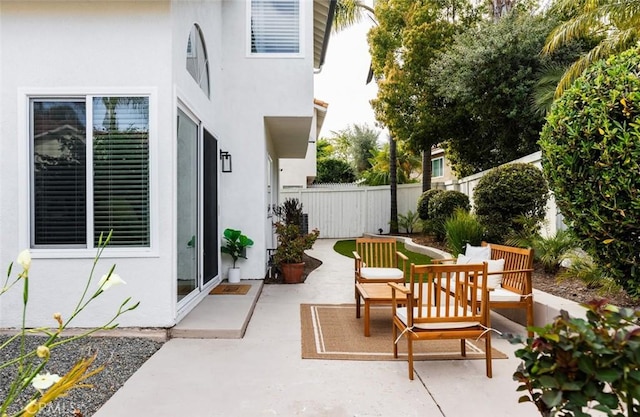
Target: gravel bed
[[121, 355]]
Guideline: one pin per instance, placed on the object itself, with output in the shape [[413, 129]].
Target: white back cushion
[[493, 265], [478, 252]]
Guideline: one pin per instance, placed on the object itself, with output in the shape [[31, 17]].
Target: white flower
[[43, 381], [107, 282], [24, 259], [43, 352]]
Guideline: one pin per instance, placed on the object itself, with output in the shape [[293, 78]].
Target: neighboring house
[[127, 115], [441, 171], [300, 173]]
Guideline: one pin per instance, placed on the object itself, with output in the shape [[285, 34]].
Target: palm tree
[[348, 13], [615, 22]]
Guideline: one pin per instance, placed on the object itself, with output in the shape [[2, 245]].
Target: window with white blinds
[[64, 206], [275, 26]]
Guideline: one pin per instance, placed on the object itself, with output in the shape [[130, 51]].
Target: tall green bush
[[462, 228], [423, 202], [442, 206], [591, 158], [507, 193]]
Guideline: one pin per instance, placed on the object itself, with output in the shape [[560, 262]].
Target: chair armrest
[[511, 271], [400, 255], [358, 265], [397, 287]]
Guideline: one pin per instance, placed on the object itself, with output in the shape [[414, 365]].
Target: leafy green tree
[[355, 144], [614, 22], [485, 85], [402, 46], [324, 149], [334, 170], [407, 163]]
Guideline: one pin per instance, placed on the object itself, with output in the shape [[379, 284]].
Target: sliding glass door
[[197, 194]]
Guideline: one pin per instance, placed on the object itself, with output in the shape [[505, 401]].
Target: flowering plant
[[30, 364]]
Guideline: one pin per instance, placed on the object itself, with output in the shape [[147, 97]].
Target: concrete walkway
[[262, 374]]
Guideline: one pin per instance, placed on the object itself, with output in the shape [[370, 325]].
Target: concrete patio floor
[[263, 374]]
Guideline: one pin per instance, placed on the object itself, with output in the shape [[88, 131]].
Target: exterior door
[[197, 243]]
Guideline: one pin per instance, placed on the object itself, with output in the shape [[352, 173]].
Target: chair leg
[[395, 345], [487, 347], [410, 355], [530, 316], [463, 347]]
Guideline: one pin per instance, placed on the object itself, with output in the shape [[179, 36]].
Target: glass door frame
[[200, 285]]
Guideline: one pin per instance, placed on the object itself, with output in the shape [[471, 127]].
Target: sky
[[342, 81]]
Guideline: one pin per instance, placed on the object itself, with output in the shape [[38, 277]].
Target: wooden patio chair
[[377, 260], [448, 306], [515, 290]]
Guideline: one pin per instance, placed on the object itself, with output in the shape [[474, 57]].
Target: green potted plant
[[235, 245], [575, 365], [291, 247]]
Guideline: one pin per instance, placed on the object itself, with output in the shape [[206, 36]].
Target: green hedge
[[591, 158], [507, 193]]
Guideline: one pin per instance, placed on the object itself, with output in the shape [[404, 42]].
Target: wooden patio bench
[[516, 290]]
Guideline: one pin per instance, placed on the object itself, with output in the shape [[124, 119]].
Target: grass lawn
[[346, 248]]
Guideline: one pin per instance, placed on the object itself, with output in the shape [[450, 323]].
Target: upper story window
[[275, 26], [89, 171], [437, 167], [197, 61]]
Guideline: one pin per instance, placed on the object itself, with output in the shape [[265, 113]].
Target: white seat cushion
[[498, 294], [381, 273], [401, 312], [502, 295]]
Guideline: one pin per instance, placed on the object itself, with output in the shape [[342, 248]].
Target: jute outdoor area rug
[[332, 331]]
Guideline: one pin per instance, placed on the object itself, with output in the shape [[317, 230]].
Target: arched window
[[197, 61]]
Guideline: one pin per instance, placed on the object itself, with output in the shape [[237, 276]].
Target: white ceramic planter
[[234, 275]]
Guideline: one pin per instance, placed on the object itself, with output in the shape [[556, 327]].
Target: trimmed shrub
[[591, 158], [423, 202], [462, 228], [442, 206], [507, 193]]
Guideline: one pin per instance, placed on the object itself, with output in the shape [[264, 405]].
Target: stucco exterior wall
[[63, 48], [253, 88]]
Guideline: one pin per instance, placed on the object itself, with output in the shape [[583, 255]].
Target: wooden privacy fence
[[351, 212]]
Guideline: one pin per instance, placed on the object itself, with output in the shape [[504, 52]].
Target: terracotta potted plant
[[291, 247], [235, 245]]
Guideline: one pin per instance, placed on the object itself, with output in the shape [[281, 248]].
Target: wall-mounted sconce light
[[225, 158]]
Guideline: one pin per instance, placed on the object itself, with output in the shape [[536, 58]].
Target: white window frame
[[25, 175], [301, 35], [441, 159]]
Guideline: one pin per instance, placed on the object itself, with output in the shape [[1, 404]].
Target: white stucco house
[[163, 120], [297, 172]]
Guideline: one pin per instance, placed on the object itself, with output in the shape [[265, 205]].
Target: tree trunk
[[426, 170], [393, 182]]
